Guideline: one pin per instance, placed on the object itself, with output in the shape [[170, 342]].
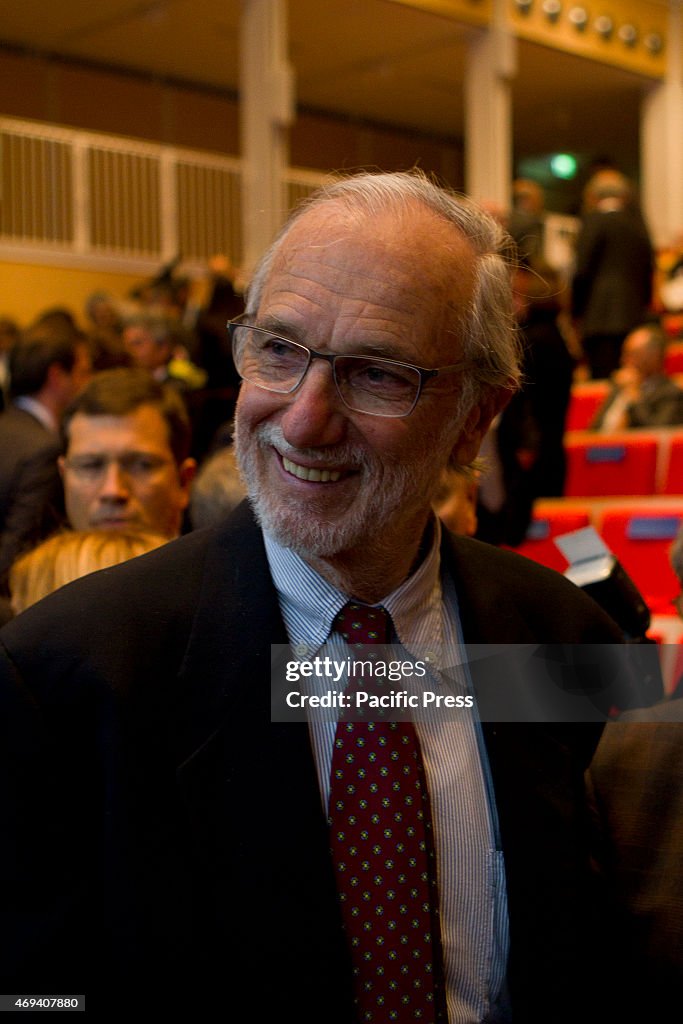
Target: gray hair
[[486, 327], [216, 490], [161, 329], [656, 338]]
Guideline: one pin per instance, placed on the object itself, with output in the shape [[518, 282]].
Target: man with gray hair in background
[[641, 394], [202, 855]]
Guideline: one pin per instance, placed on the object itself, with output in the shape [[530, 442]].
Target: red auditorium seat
[[608, 466], [584, 401], [538, 543], [641, 539], [673, 359], [673, 481]]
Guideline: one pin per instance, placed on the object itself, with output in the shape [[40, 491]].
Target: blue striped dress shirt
[[473, 901]]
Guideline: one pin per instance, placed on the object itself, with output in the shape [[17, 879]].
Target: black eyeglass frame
[[424, 373]]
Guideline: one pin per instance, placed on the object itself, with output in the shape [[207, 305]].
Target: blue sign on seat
[[606, 453], [539, 529], [653, 527]]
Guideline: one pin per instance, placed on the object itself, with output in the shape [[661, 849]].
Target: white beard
[[387, 493]]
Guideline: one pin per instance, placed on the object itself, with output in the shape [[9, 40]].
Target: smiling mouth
[[315, 476]]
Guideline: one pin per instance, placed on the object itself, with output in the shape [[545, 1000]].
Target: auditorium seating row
[[673, 360], [633, 462], [588, 395], [639, 532]]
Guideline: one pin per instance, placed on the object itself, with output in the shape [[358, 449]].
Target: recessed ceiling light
[[628, 34], [552, 9], [604, 26], [579, 18]]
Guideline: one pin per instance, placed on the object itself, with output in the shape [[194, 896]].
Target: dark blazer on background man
[[31, 503], [164, 836], [612, 282], [636, 787], [661, 405]]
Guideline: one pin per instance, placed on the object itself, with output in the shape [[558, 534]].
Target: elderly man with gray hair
[[206, 851]]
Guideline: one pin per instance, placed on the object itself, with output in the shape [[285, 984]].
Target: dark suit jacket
[[612, 283], [161, 833], [31, 503], [636, 787]]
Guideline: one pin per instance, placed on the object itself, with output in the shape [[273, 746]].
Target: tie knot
[[363, 624]]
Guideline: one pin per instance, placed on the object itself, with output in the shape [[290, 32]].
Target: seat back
[[585, 399], [641, 539], [673, 477], [607, 466], [673, 358], [539, 544]]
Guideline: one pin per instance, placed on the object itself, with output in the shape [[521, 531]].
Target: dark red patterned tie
[[382, 846]]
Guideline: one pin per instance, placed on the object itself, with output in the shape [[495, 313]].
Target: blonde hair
[[69, 555]]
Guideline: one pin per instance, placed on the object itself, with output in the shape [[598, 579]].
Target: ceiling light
[[563, 165], [579, 18], [604, 26], [653, 43], [628, 34], [552, 9]]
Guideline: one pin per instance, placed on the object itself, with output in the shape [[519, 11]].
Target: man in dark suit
[[612, 281], [636, 791], [164, 837], [47, 366], [641, 395]]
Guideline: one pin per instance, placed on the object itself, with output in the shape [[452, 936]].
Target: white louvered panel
[[209, 221], [36, 199], [124, 202]]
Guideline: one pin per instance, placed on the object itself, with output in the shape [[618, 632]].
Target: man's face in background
[[120, 473]]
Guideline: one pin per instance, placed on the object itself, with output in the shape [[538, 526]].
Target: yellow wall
[[27, 289]]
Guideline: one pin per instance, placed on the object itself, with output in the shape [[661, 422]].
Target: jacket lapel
[[250, 788]]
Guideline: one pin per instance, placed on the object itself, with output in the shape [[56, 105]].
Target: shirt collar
[[38, 411], [309, 603]]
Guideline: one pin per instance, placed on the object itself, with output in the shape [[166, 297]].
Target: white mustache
[[270, 435]]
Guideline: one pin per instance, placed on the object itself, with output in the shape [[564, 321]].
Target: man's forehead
[[142, 427], [408, 226], [637, 341], [376, 254]]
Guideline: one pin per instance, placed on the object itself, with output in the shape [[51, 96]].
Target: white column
[[82, 198], [491, 63], [661, 143], [168, 194], [266, 111]]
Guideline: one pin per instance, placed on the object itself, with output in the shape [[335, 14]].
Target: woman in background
[[67, 556]]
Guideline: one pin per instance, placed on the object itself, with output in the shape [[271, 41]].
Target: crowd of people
[[105, 423], [438, 868], [602, 318]]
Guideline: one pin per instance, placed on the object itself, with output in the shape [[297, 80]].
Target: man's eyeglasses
[[367, 384], [138, 465]]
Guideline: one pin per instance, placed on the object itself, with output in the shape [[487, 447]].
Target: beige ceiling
[[368, 59]]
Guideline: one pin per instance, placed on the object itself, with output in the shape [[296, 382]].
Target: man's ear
[[61, 463], [478, 421], [56, 376], [187, 470]]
